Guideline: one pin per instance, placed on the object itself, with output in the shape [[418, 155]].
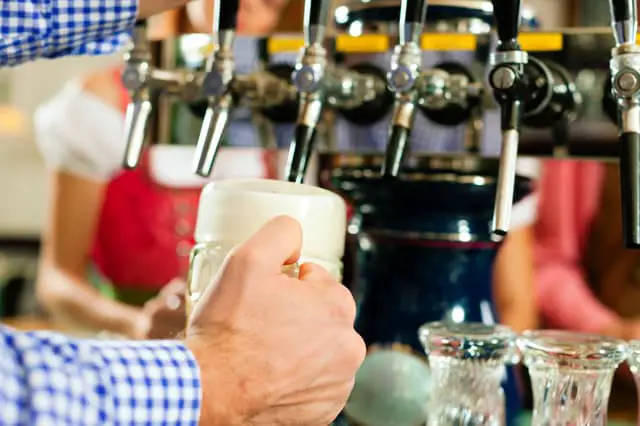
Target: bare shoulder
[[103, 85]]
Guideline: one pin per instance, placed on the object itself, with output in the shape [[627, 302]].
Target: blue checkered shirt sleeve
[[31, 29], [47, 379]]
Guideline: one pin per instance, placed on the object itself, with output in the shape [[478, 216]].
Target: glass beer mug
[[230, 211]]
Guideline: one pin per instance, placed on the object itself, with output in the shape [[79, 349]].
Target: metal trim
[[422, 236]]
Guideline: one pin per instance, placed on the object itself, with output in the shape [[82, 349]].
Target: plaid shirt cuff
[[50, 379], [31, 29]]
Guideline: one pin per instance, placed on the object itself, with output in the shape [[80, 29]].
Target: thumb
[[277, 243]]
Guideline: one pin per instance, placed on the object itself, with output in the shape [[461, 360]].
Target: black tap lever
[[308, 78], [624, 21], [625, 83], [401, 78], [135, 77], [508, 82], [217, 86]]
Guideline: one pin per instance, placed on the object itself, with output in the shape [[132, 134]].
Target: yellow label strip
[[366, 43], [541, 42], [380, 43], [284, 45], [442, 42]]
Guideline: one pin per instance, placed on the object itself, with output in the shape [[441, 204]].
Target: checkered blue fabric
[[31, 29], [47, 379]]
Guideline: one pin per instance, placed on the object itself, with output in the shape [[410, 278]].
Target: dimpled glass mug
[[230, 211]]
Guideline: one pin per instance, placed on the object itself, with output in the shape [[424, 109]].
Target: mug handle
[[293, 270]]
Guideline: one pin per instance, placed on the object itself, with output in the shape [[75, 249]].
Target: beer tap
[[217, 86], [625, 82], [135, 77], [403, 73], [308, 77], [507, 79], [448, 94]]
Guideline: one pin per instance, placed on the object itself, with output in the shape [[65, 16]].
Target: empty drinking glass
[[633, 359], [571, 375], [468, 364]]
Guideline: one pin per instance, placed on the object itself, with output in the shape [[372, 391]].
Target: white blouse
[[525, 212], [79, 133]]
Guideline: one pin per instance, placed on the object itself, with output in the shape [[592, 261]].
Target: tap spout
[[217, 86], [507, 78], [401, 79], [308, 77], [135, 77]]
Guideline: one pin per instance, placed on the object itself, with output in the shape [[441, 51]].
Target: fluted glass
[[571, 375], [468, 364]]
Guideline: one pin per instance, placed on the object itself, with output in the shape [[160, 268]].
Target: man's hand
[[164, 316], [274, 350]]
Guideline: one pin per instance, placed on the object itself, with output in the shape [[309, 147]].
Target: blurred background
[[23, 187], [24, 184]]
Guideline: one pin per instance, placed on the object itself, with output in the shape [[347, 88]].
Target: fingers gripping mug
[[230, 211]]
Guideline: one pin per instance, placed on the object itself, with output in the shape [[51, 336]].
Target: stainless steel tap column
[[217, 86], [625, 82], [508, 82], [308, 78], [136, 76], [401, 79]]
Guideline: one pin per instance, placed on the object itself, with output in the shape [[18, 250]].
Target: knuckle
[[345, 302], [244, 257], [352, 352], [359, 350]]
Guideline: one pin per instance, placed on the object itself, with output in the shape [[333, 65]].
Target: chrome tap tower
[[625, 83]]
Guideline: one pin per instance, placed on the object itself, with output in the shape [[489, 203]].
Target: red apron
[[145, 231]]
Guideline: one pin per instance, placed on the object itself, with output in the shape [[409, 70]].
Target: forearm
[[51, 379], [566, 301], [32, 29], [74, 300], [513, 281]]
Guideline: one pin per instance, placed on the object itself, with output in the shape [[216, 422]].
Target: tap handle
[[630, 187], [622, 10], [136, 119], [413, 14], [300, 153], [624, 20], [225, 15], [506, 14], [396, 150], [316, 13]]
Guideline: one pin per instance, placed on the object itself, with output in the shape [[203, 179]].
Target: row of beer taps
[[520, 84]]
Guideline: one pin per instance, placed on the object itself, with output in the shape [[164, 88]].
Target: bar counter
[[620, 414]]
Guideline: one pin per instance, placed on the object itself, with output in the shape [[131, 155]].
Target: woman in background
[[586, 280], [116, 243]]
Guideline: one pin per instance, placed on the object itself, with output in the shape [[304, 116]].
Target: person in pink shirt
[[585, 279]]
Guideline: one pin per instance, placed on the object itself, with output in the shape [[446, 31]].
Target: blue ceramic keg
[[423, 252]]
